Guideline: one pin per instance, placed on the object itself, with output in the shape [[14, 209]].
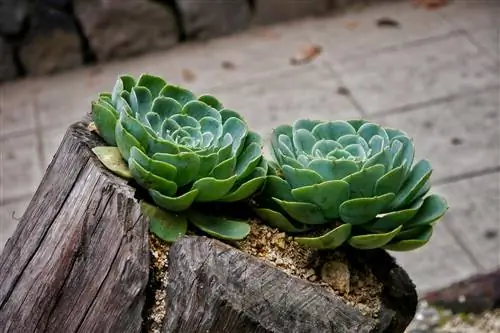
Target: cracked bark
[[79, 262]]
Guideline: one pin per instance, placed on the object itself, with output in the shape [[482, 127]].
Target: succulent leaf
[[180, 148], [220, 227], [331, 240], [112, 159], [167, 226], [373, 241]]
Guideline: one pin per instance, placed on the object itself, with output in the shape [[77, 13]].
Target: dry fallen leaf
[[351, 25], [188, 75], [431, 4], [226, 64], [92, 128], [306, 55]]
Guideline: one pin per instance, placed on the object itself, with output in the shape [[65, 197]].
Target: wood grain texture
[[215, 288], [79, 262], [79, 259]]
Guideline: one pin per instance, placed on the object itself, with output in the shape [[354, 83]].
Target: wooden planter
[[79, 261]]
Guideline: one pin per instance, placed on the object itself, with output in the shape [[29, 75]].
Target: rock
[[337, 275], [52, 44], [272, 11], [212, 18], [13, 14], [8, 68], [121, 28]]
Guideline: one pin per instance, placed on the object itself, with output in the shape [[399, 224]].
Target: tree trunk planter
[[82, 260]]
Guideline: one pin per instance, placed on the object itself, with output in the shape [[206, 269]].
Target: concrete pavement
[[437, 77]]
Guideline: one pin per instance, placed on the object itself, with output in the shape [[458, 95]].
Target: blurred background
[[428, 67]]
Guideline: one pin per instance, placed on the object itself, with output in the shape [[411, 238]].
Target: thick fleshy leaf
[[227, 114], [136, 129], [149, 180], [405, 155], [160, 146], [207, 163], [393, 220], [254, 137], [306, 124], [225, 169], [392, 133], [158, 168], [280, 130], [245, 190], [279, 188], [433, 208], [154, 121], [219, 227], [186, 164], [414, 243], [213, 126], [174, 204], [357, 123], [211, 101], [125, 141], [199, 110], [154, 83], [350, 139], [383, 158], [124, 82], [248, 160], [368, 130], [327, 195], [301, 177], [285, 146], [238, 130], [167, 226], [105, 121], [416, 179], [322, 147], [363, 210], [390, 182], [362, 183], [357, 151], [376, 144], [181, 95], [166, 107], [333, 130], [278, 221], [303, 212], [328, 241], [303, 141], [141, 101], [212, 189], [112, 159], [373, 241]]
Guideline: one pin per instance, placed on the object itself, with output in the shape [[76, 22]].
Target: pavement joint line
[[463, 246], [467, 175], [435, 101], [483, 49], [338, 77], [403, 46]]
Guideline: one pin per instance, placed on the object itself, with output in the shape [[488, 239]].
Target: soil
[[331, 270]]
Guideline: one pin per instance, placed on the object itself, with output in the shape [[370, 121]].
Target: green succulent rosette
[[349, 181], [181, 148]]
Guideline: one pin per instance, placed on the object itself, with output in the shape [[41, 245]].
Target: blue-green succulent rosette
[[184, 150], [350, 182]]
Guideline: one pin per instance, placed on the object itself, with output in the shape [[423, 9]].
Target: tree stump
[[79, 261]]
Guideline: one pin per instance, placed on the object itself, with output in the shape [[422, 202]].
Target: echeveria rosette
[[349, 181], [182, 149]]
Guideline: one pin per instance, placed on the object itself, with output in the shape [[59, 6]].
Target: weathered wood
[[79, 259], [79, 262], [213, 287]]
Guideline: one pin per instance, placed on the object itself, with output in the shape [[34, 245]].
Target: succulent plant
[[182, 149], [349, 181]]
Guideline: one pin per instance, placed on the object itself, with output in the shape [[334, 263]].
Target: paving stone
[[272, 11], [16, 111], [457, 137], [51, 140], [20, 169], [472, 14], [474, 216], [280, 100], [10, 214], [212, 18], [356, 32], [489, 39], [120, 28], [437, 264], [420, 73]]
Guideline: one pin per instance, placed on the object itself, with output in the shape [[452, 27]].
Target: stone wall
[[40, 37]]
